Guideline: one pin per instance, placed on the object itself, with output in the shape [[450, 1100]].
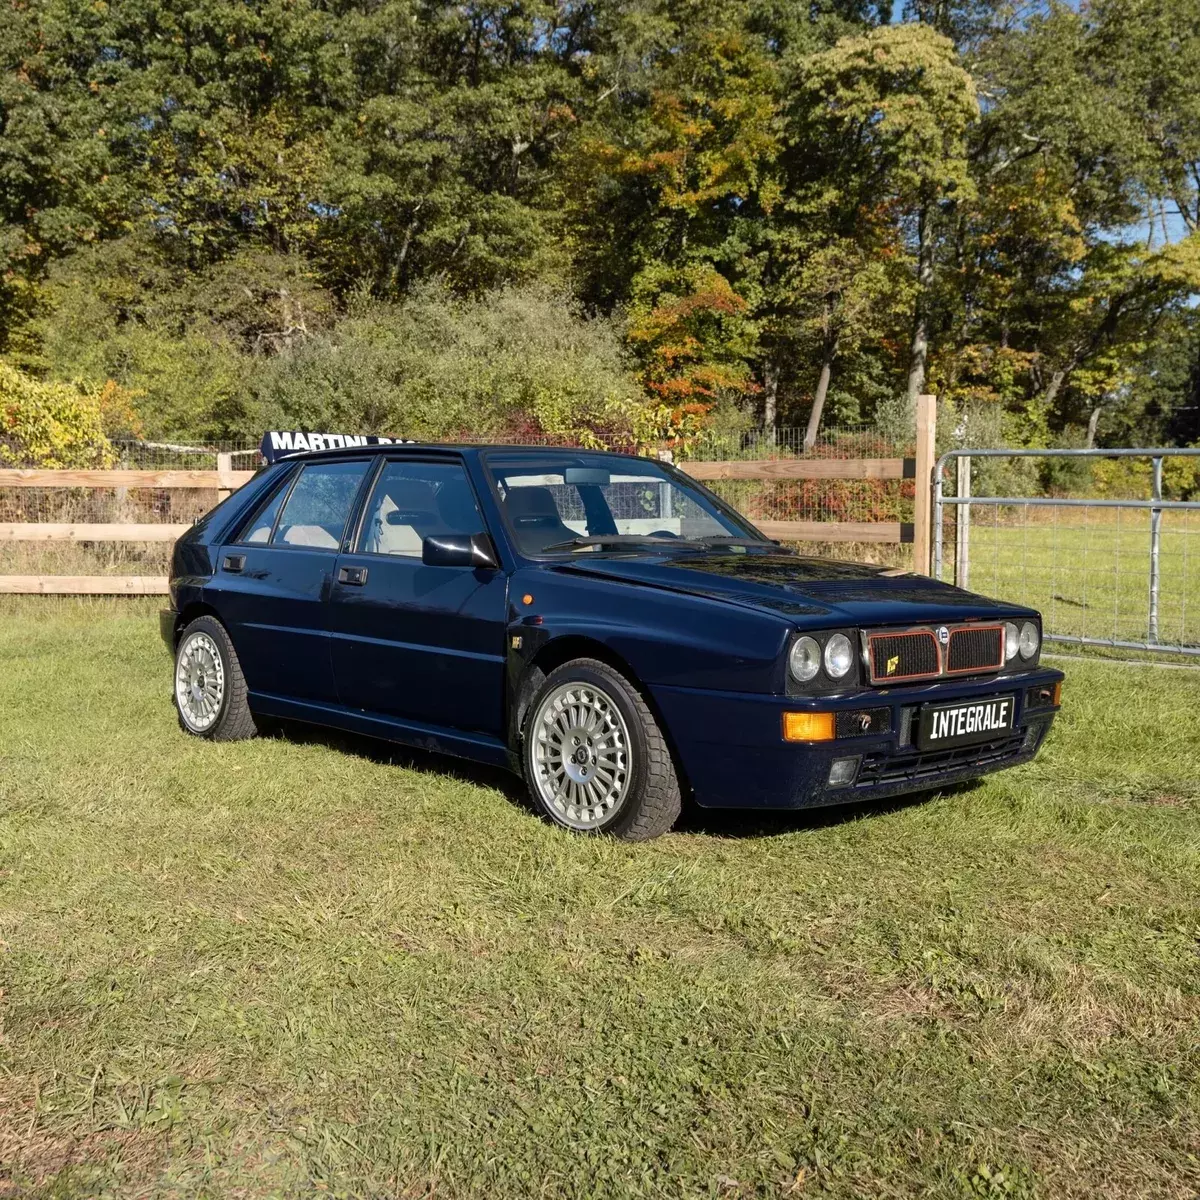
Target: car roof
[[464, 448]]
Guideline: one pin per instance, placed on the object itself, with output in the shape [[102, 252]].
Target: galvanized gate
[[1115, 572]]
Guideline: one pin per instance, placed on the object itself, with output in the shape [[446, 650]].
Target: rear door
[[273, 582], [420, 644]]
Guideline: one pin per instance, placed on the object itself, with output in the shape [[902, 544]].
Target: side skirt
[[478, 747]]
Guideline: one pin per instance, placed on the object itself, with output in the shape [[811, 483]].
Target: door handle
[[234, 562], [352, 575]]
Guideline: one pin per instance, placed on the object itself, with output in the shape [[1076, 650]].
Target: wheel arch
[[189, 612], [564, 649]]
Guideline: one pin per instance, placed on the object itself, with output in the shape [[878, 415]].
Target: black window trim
[[353, 542]]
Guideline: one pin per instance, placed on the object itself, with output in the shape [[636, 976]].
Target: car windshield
[[583, 502]]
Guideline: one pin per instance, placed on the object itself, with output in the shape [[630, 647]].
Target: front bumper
[[733, 754]]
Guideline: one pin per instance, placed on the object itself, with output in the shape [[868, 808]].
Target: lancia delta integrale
[[600, 624]]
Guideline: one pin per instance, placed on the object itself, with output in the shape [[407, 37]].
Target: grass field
[[311, 966]]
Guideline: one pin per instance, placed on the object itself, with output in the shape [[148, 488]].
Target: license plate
[[964, 723]]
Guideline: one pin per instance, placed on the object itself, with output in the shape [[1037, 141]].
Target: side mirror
[[459, 550]]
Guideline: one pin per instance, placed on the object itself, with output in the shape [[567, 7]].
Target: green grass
[[309, 966]]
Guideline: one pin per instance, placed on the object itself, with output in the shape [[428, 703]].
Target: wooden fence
[[225, 479]]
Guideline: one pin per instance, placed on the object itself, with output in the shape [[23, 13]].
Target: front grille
[[912, 655], [889, 768], [915, 654], [976, 649]]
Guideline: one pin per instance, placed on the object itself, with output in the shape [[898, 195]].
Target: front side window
[[552, 503], [318, 507], [415, 500]]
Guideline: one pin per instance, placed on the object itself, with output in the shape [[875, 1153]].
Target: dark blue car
[[598, 623]]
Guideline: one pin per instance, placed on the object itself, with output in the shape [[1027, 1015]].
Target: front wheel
[[595, 759], [210, 690]]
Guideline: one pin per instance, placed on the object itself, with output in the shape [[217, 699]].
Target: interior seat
[[404, 517], [535, 519]]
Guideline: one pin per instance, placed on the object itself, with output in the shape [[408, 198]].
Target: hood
[[796, 588]]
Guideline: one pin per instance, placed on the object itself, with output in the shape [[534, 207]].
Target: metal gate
[[1120, 573]]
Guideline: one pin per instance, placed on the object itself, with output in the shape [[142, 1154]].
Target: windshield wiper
[[621, 539], [647, 539], [717, 539]]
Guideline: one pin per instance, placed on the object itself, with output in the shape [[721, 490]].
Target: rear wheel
[[595, 759], [210, 690]]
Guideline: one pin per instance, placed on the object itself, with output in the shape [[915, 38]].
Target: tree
[[672, 190], [890, 111]]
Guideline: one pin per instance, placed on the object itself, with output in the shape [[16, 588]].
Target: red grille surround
[[915, 654]]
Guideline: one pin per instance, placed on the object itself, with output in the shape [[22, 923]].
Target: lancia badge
[[943, 635]]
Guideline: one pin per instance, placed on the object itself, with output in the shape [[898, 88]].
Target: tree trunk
[[770, 399], [1057, 379], [920, 341], [1093, 421], [814, 417]]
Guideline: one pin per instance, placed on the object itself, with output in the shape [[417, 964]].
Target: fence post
[[962, 527], [1155, 548], [926, 441], [225, 476]]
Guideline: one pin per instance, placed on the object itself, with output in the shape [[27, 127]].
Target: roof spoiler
[[283, 443]]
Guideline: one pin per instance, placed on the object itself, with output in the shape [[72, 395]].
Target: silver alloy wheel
[[580, 755], [199, 681]]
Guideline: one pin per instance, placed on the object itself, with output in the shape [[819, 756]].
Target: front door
[[272, 584], [418, 643]]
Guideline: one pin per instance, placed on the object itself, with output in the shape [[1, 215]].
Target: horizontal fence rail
[[798, 468], [204, 480], [84, 585], [89, 531]]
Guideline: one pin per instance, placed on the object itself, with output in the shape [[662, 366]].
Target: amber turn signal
[[808, 727], [1058, 692]]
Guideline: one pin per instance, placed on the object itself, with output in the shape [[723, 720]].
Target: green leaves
[[778, 203]]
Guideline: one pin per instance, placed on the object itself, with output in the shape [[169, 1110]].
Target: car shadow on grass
[[711, 822], [385, 753], [740, 822]]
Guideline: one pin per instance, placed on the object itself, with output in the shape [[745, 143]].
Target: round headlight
[[804, 659], [839, 656], [1012, 641], [1030, 640]]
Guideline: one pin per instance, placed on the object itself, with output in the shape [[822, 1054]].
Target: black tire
[[233, 720], [651, 802]]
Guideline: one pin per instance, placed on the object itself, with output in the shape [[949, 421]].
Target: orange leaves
[[693, 342]]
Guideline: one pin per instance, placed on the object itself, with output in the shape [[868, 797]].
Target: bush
[[516, 362], [51, 425]]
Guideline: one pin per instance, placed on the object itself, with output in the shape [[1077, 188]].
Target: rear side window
[[258, 528], [318, 507]]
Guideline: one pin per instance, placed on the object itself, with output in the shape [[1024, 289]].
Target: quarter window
[[258, 528], [415, 500], [318, 507]]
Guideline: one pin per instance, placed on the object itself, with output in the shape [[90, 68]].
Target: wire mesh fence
[[819, 500], [1119, 569]]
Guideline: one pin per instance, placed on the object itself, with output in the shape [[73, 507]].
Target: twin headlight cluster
[[806, 658], [1024, 640]]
